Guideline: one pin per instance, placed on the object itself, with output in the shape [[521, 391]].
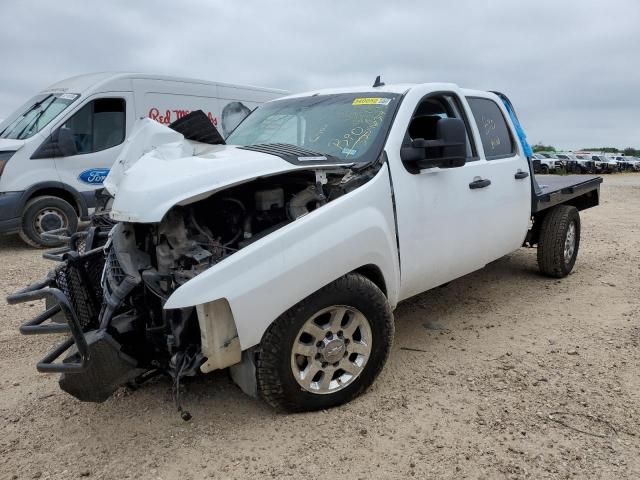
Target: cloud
[[568, 66]]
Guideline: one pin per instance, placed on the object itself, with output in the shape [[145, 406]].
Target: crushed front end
[[117, 331], [108, 291]]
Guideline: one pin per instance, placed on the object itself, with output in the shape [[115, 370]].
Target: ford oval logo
[[94, 176]]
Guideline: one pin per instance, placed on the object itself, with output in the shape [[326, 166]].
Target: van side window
[[424, 123], [494, 132], [98, 125]]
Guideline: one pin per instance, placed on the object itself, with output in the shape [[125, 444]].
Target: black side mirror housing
[[59, 144], [447, 151], [66, 142]]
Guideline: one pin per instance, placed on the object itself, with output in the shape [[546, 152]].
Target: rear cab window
[[495, 135]]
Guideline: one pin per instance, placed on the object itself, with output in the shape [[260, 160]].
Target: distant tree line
[[631, 152], [538, 147]]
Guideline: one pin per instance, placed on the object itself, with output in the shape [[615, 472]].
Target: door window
[[424, 122], [494, 132], [99, 125]]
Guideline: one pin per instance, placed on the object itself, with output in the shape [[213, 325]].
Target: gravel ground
[[501, 374]]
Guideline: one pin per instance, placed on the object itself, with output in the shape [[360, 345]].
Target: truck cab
[[57, 148]]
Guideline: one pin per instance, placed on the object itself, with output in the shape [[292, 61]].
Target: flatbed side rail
[[584, 194]]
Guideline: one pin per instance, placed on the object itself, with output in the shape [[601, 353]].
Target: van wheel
[[43, 214], [559, 241], [327, 349]]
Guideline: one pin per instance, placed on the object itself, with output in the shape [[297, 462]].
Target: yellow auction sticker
[[371, 101]]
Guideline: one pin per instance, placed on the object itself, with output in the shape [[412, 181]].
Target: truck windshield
[[34, 115], [347, 126]]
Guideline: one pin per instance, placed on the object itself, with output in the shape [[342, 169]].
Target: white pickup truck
[[283, 253]]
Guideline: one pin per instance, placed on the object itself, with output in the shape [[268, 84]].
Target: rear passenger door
[[506, 167]]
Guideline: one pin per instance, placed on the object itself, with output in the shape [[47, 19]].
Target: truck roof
[[81, 83], [391, 88]]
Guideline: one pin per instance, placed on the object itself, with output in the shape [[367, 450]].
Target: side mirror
[[447, 151], [66, 142], [59, 144]]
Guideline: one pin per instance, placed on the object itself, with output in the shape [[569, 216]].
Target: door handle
[[479, 183], [521, 175]]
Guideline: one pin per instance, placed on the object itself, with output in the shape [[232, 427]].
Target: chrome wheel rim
[[570, 243], [50, 218], [331, 349]]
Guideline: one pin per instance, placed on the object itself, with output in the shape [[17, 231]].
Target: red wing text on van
[[171, 115]]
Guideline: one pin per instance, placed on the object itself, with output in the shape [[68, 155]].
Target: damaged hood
[[159, 169]]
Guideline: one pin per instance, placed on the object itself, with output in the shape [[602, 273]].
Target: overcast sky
[[571, 68]]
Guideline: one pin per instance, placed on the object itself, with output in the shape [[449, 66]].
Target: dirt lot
[[502, 374]]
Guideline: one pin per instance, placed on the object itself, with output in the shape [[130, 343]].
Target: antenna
[[378, 82]]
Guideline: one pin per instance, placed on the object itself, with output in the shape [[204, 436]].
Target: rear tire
[[544, 169], [300, 371], [559, 241], [43, 214]]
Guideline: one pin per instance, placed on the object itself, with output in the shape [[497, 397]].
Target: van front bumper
[[10, 204]]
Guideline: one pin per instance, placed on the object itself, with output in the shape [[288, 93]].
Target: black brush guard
[[73, 295], [95, 364], [72, 290]]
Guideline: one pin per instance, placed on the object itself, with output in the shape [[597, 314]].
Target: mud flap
[[108, 369]]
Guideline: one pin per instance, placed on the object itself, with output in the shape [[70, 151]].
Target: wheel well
[[60, 193], [373, 273]]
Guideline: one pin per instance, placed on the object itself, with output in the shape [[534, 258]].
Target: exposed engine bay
[[195, 237]]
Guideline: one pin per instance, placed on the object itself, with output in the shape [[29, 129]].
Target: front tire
[[328, 348], [46, 213], [559, 241]]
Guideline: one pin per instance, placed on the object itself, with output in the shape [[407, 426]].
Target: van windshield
[[349, 126], [34, 115]]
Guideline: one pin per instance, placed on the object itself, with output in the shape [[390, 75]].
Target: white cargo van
[[57, 148]]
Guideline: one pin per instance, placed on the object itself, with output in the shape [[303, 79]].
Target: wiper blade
[[28, 126], [31, 124]]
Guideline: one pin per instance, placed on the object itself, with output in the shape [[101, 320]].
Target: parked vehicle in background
[[623, 163], [635, 163], [57, 148], [604, 164], [577, 165], [587, 164], [284, 256], [546, 163]]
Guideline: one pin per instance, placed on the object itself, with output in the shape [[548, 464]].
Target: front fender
[[268, 277]]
